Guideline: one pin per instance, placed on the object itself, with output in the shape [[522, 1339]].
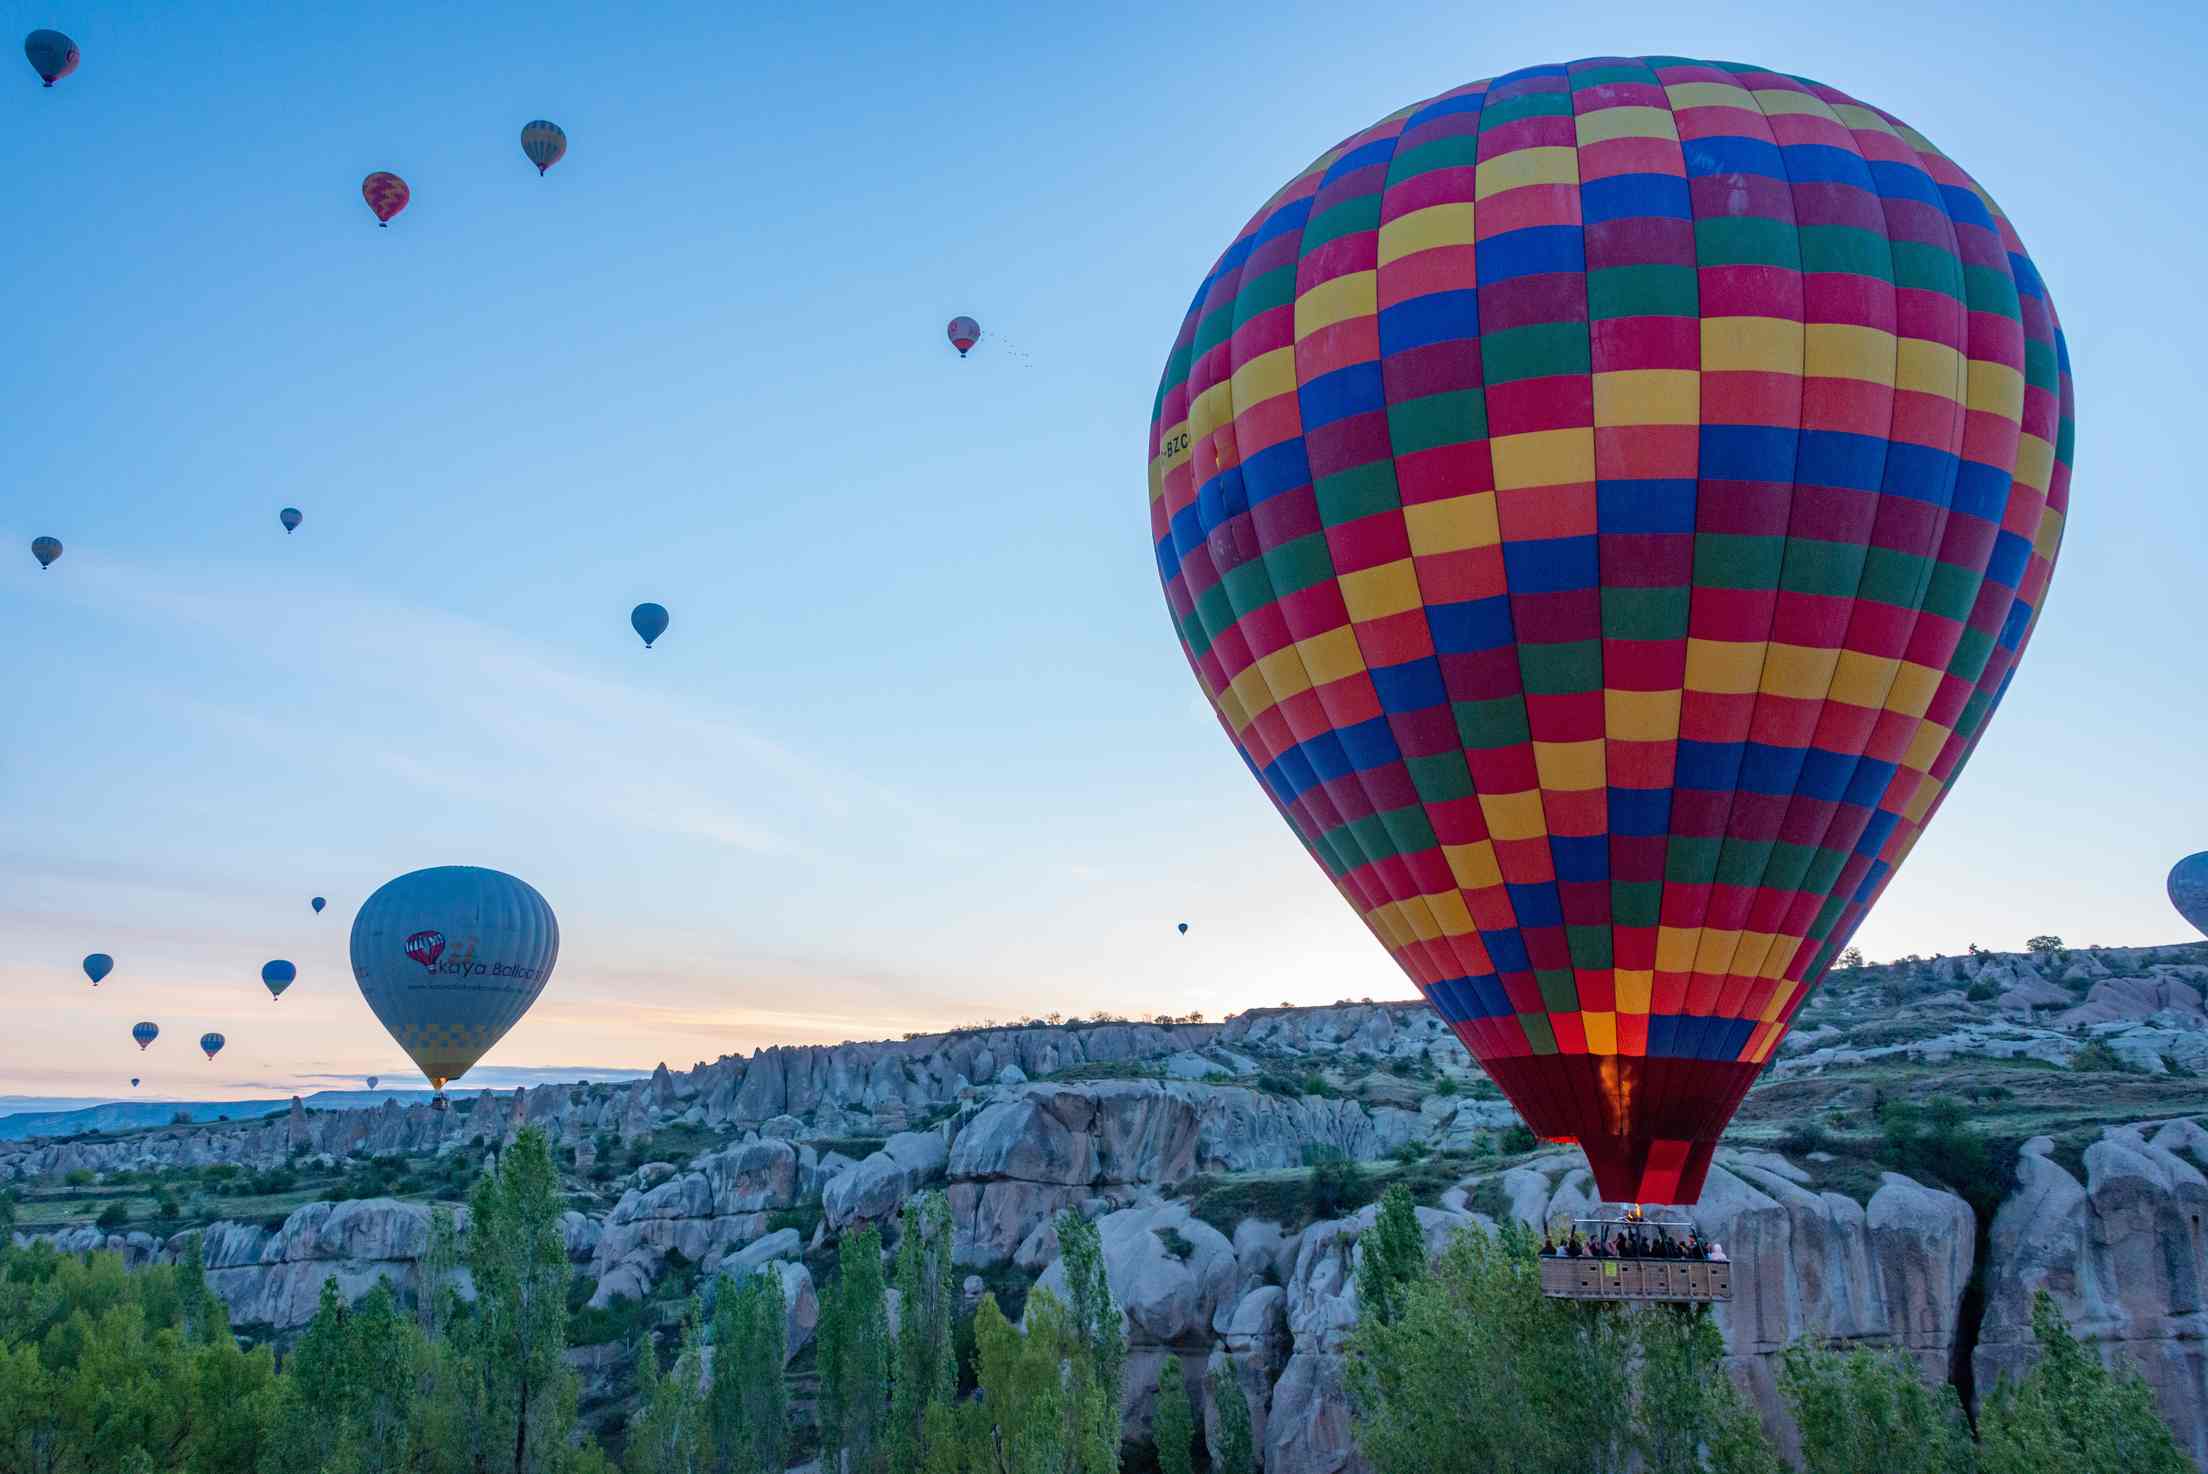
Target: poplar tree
[[518, 1331], [749, 1406], [924, 1371], [853, 1358], [1172, 1423]]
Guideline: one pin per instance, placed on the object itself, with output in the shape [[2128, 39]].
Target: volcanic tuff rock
[[2123, 1255]]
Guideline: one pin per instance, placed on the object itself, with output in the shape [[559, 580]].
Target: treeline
[[1457, 1366]]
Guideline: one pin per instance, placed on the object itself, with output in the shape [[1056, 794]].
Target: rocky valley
[[1231, 1168]]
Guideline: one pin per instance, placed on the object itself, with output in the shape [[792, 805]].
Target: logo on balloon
[[426, 947]]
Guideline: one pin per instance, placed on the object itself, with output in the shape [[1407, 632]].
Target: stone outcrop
[[720, 1203], [2124, 1257]]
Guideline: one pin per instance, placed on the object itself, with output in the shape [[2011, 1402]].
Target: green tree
[[1552, 1376], [1096, 1373], [671, 1430], [1027, 1419], [348, 1389], [749, 1406], [2072, 1415], [924, 1371], [433, 1272], [1872, 1412], [2043, 946], [517, 1334], [1688, 1418], [1233, 1448], [1173, 1422], [1391, 1256], [113, 1215], [853, 1355]]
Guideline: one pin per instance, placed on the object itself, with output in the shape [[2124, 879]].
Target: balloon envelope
[[1184, 928], [45, 550], [98, 966], [372, 1081], [450, 958], [145, 1033], [291, 519], [964, 333], [2189, 889], [1555, 498], [386, 194], [278, 975], [211, 1043], [318, 903], [544, 143], [134, 1082], [649, 621], [53, 55]]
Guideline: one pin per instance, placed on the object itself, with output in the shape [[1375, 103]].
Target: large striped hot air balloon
[[449, 959], [1605, 505]]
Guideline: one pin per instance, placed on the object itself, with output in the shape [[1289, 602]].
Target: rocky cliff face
[[2112, 1230], [2122, 1254]]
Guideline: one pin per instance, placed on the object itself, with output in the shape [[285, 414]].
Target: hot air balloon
[[211, 1043], [544, 143], [2189, 889], [134, 1082], [145, 1033], [449, 958], [649, 621], [1184, 928], [277, 976], [53, 55], [1604, 506], [45, 550], [291, 519], [964, 333], [98, 966], [318, 903], [386, 194], [372, 1081]]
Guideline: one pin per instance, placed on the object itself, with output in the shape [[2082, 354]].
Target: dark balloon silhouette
[[649, 621], [291, 519], [545, 144], [53, 55], [45, 550], [98, 966]]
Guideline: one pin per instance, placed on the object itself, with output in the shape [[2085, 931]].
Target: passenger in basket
[[1717, 1253], [1548, 1246]]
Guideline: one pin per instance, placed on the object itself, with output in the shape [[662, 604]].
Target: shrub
[[77, 1177], [1519, 1138], [2098, 1058], [114, 1215], [1982, 992], [1412, 1152], [1338, 1188], [1445, 1086], [1175, 1242], [1804, 1137]]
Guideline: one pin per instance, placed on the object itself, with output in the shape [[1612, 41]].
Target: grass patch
[[1107, 1069], [857, 1148]]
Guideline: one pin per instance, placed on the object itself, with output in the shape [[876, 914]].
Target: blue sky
[[919, 747]]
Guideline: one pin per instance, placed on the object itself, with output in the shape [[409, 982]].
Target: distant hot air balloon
[[964, 333], [98, 966], [45, 550], [2189, 889], [211, 1043], [650, 621], [1584, 501], [318, 903], [134, 1082], [53, 55], [278, 975], [386, 194], [449, 959], [544, 144], [145, 1033], [291, 519], [372, 1079], [1184, 928]]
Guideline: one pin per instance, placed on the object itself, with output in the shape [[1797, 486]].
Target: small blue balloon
[[319, 903], [278, 976], [1184, 928], [98, 966], [291, 519], [650, 621]]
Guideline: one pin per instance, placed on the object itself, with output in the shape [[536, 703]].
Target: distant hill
[[135, 1115]]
